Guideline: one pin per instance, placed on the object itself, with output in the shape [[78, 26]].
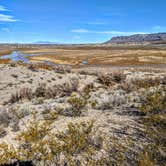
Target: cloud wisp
[[2, 8], [105, 32], [5, 17]]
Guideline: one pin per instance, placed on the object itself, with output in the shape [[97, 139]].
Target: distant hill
[[44, 42], [139, 38]]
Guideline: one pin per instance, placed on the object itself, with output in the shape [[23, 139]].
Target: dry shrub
[[24, 93], [46, 92], [36, 66], [88, 72], [62, 90], [154, 107], [2, 131], [13, 64], [49, 66], [78, 138], [32, 67], [105, 79], [40, 90], [88, 88], [136, 84], [8, 153], [118, 152], [118, 77], [62, 69], [148, 82], [79, 144], [71, 86], [14, 98], [57, 90], [37, 144], [111, 78], [52, 92], [126, 86], [77, 103]]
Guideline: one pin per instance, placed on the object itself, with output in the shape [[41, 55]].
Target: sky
[[78, 21]]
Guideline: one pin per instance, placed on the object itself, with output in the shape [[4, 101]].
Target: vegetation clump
[[154, 108], [111, 79], [45, 92], [39, 145], [78, 102], [24, 93]]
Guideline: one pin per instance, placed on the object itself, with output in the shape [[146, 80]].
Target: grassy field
[[78, 55], [100, 56]]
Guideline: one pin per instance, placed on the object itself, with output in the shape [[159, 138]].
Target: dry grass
[[5, 61], [5, 52], [100, 56], [96, 55]]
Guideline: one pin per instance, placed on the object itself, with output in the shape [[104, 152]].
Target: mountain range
[[139, 38]]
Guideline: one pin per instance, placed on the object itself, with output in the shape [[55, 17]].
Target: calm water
[[17, 56]]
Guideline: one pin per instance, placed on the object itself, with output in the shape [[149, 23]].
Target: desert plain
[[83, 105]]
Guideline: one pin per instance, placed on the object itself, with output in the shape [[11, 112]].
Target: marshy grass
[[5, 61]]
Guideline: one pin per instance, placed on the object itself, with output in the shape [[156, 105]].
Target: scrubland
[[57, 115]]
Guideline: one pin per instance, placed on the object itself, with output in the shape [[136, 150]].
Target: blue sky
[[78, 21]]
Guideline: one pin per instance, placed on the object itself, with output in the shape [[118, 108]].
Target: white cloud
[[80, 31], [105, 32], [7, 18], [2, 8], [5, 30]]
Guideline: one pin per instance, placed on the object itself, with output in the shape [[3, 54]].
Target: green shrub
[[78, 102], [78, 138]]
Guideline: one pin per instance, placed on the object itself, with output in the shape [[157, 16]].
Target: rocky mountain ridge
[[138, 38]]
